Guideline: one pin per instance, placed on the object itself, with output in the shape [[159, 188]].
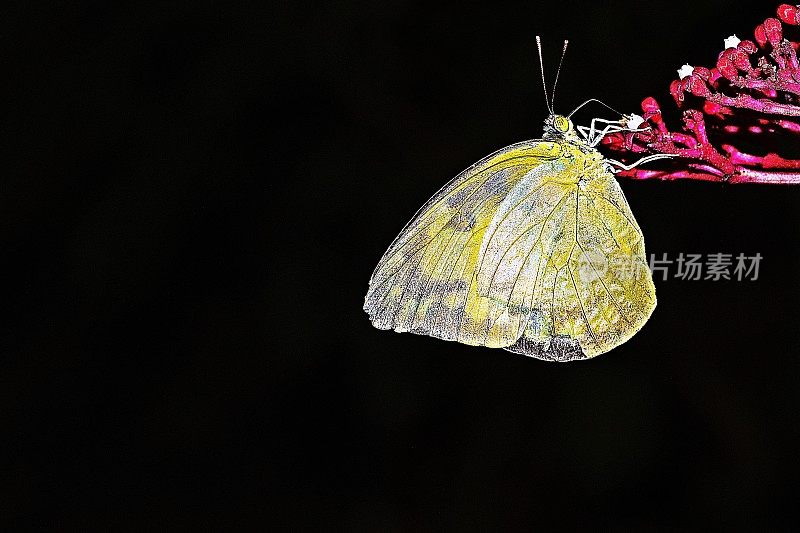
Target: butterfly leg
[[616, 166], [593, 134], [605, 131]]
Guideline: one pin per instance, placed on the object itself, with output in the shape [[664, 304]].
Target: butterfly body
[[533, 249]]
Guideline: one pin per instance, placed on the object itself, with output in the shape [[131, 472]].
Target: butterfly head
[[558, 127]]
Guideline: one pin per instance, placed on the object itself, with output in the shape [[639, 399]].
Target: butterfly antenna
[[555, 83], [541, 69], [589, 101]]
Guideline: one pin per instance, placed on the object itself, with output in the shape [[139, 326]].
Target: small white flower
[[732, 41], [685, 71], [634, 121]]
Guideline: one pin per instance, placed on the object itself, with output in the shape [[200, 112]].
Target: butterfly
[[533, 249]]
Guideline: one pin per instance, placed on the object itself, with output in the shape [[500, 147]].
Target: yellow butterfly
[[533, 249]]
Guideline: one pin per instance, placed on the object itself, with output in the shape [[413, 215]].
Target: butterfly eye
[[561, 123]]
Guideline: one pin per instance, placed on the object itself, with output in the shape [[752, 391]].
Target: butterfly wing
[[592, 288], [426, 283], [486, 260]]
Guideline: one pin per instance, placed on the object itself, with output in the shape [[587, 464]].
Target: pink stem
[[749, 175], [769, 161], [746, 101], [789, 125], [745, 175], [766, 85]]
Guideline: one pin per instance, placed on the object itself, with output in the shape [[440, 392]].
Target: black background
[[194, 197]]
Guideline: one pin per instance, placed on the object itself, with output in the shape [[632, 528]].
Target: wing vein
[[538, 240], [425, 209]]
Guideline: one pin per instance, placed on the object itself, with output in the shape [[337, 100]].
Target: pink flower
[[751, 97]]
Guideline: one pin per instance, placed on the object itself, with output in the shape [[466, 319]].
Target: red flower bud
[[702, 73], [726, 68], [649, 105], [773, 30], [748, 47], [788, 14], [698, 87], [676, 91], [740, 60], [761, 35], [651, 110]]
